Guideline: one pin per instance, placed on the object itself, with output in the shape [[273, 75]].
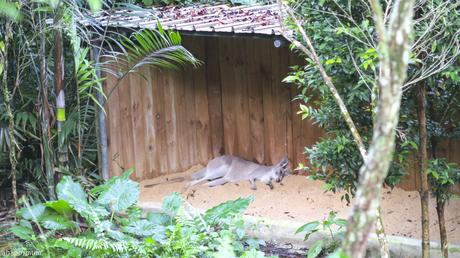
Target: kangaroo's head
[[282, 169]]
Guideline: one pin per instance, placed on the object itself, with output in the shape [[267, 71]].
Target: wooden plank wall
[[235, 103], [448, 149]]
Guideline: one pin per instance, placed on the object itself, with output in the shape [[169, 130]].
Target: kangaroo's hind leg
[[220, 181], [188, 187], [253, 184], [199, 181], [199, 174]]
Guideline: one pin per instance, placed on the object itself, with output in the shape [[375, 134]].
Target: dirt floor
[[303, 200]]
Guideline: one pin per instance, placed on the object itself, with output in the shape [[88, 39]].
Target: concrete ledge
[[283, 232]]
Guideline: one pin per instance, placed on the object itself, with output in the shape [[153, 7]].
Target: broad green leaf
[[120, 195], [25, 223], [60, 206], [9, 10], [315, 249], [74, 195], [22, 232], [33, 212], [56, 222], [227, 209], [308, 228], [104, 187]]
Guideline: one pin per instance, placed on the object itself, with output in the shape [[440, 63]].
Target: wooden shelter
[[235, 103]]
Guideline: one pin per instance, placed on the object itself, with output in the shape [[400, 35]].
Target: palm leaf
[[158, 48]]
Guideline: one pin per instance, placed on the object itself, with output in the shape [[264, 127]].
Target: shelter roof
[[256, 20]]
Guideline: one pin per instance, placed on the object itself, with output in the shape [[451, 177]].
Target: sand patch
[[302, 200]]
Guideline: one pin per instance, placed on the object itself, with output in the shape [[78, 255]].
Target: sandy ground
[[302, 200]]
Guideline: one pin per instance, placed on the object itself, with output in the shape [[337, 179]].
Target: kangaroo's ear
[[285, 160]]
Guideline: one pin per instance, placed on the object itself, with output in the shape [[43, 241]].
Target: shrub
[[106, 222]]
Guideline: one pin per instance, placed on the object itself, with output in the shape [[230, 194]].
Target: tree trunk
[[9, 113], [394, 51], [45, 120], [440, 204], [101, 118], [60, 94], [423, 163], [381, 236]]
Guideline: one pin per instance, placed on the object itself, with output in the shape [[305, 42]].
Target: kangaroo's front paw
[[270, 185]]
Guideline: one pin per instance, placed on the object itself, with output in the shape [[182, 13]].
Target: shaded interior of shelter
[[234, 103]]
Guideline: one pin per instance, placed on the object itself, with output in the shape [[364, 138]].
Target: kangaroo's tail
[[167, 181]]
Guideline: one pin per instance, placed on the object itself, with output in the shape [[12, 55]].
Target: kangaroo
[[228, 168]]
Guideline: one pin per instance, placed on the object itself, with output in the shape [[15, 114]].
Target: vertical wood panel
[[150, 148], [158, 95], [255, 92], [241, 98], [190, 137], [229, 95], [214, 95], [126, 147], [268, 104], [138, 124], [202, 144], [281, 98], [113, 117], [170, 120], [180, 112]]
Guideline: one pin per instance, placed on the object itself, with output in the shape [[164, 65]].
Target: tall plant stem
[[310, 51], [440, 205], [59, 90], [101, 119], [45, 117], [423, 166], [9, 113]]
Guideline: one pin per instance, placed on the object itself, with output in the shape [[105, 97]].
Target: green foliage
[[345, 39], [32, 89], [111, 225], [9, 10], [443, 175], [333, 225], [158, 48]]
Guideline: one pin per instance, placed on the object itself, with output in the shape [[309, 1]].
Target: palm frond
[[158, 48]]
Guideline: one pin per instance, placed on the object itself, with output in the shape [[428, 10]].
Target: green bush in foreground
[[106, 222]]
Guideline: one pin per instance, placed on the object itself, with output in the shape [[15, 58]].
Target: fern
[[98, 244]]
